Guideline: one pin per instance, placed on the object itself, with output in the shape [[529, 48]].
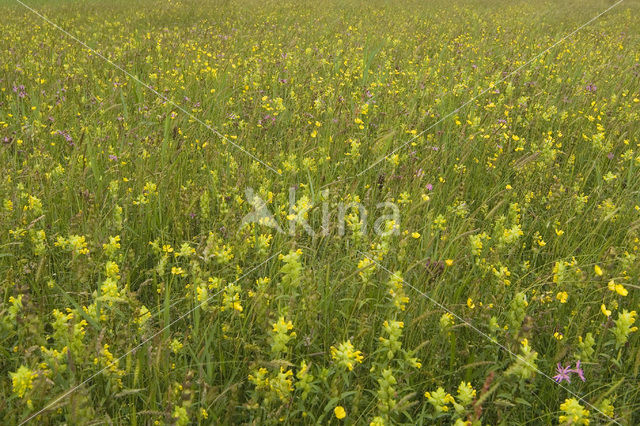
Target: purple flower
[[579, 372], [563, 373], [429, 187]]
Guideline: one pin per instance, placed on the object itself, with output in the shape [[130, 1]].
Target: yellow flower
[[176, 270], [339, 412], [346, 355], [415, 235], [470, 303], [22, 380], [605, 311], [562, 296], [621, 290], [449, 262], [618, 288], [597, 270]]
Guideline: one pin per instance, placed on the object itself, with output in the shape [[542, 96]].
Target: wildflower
[[282, 384], [305, 378], [292, 268], [75, 243], [606, 407], [446, 321], [35, 205], [605, 311], [597, 270], [281, 335], [586, 347], [108, 362], [112, 270], [259, 378], [202, 296], [346, 355], [579, 372], [396, 291], [563, 373], [511, 235], [414, 362], [112, 246], [502, 274], [176, 270], [562, 296], [339, 412], [525, 366], [439, 223], [180, 415], [624, 326], [176, 346], [185, 251], [377, 421], [574, 413], [231, 298], [439, 400], [618, 288], [394, 328], [387, 391], [16, 306], [466, 393], [143, 317], [22, 380]]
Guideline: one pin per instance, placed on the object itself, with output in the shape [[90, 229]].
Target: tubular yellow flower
[[346, 355], [22, 380]]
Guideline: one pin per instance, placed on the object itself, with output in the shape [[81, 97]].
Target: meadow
[[339, 212]]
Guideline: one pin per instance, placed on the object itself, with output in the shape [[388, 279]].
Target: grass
[[133, 292]]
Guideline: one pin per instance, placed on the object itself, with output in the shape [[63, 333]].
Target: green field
[[346, 212]]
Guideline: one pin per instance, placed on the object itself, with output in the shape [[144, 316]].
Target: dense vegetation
[[192, 227]]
